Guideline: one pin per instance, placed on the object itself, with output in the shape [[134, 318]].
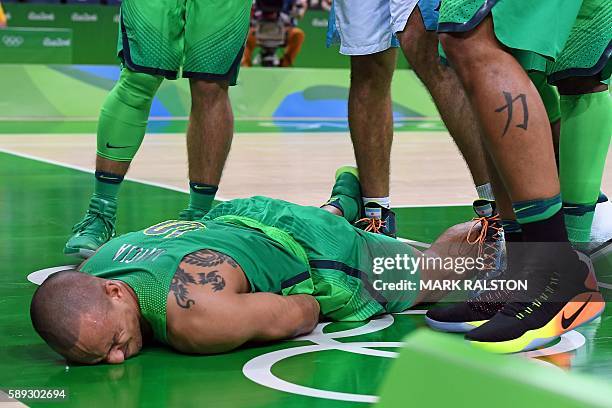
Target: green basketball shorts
[[346, 274], [203, 39], [560, 37], [589, 46]]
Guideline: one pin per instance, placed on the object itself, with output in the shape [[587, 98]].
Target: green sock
[[201, 196], [106, 186], [586, 128], [346, 194], [578, 221]]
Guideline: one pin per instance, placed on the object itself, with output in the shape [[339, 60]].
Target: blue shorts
[[364, 27], [430, 10]]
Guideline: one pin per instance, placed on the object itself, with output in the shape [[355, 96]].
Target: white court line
[[413, 242], [90, 171], [38, 277], [259, 368], [170, 187]]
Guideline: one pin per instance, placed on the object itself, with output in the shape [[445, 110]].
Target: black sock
[[548, 230]]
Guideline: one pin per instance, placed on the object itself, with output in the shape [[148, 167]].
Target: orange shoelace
[[374, 225], [486, 248]]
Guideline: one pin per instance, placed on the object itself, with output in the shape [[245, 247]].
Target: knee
[[420, 47], [375, 70], [137, 89], [206, 93], [580, 85], [456, 48]]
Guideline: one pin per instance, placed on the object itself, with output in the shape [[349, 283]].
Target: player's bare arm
[[210, 309]]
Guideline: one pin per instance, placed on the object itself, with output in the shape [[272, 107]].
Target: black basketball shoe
[[564, 296], [482, 305]]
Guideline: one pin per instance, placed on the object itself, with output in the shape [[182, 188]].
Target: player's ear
[[113, 290]]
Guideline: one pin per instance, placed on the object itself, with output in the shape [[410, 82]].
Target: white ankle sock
[[485, 192], [382, 201]]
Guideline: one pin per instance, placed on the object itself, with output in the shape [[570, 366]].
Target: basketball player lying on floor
[[252, 270]]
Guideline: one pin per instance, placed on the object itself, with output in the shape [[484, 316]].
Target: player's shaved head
[[60, 304]]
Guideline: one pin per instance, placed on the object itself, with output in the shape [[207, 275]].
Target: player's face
[[112, 339]]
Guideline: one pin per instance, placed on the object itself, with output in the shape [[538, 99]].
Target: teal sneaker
[[192, 214], [346, 193], [97, 228]]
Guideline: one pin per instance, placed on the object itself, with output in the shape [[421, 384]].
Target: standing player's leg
[[209, 138], [124, 115], [371, 126], [419, 42], [585, 138], [552, 103], [581, 73], [121, 129], [215, 34], [365, 31], [509, 110], [518, 137]]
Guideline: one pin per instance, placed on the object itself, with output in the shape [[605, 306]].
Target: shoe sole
[[347, 169], [536, 338], [453, 327], [537, 343], [79, 252]]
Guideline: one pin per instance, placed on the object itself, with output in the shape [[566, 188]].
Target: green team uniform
[[549, 95], [563, 38], [203, 38], [282, 248]]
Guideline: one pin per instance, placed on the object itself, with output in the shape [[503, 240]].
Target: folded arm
[[222, 323]]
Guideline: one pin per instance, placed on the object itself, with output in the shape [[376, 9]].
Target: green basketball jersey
[[147, 261], [282, 248]]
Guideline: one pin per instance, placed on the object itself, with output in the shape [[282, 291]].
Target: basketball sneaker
[[490, 241], [481, 305], [567, 299], [465, 316], [378, 219], [346, 193], [94, 230]]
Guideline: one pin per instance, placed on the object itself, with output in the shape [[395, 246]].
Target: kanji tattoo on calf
[[509, 106]]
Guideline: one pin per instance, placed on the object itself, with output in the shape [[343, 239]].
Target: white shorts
[[367, 26]]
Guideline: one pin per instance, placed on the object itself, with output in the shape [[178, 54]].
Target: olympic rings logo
[[259, 369], [12, 41]]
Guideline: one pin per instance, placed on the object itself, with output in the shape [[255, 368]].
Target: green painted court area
[[39, 203], [394, 361]]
